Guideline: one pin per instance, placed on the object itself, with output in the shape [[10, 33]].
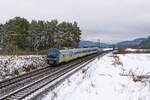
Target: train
[[57, 56]]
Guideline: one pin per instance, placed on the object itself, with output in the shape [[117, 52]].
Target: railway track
[[24, 85]]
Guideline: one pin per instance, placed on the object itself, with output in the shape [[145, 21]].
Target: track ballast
[[25, 85]]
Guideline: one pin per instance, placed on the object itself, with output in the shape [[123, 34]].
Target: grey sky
[[108, 20]]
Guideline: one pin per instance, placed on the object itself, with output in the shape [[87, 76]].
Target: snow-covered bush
[[15, 65]]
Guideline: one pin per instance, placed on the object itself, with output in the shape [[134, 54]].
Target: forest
[[18, 34]]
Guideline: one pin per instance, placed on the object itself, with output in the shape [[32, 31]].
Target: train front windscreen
[[52, 56], [52, 53]]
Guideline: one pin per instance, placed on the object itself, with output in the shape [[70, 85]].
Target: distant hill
[[133, 42], [92, 44]]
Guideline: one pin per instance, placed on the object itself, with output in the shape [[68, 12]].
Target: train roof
[[75, 49], [71, 50]]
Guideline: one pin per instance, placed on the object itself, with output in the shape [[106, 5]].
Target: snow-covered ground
[[105, 49], [105, 79], [142, 50], [14, 65]]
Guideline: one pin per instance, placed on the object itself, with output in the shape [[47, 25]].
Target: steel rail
[[37, 83], [40, 82]]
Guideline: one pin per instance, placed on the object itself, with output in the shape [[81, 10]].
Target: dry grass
[[117, 61], [54, 96], [32, 67], [29, 68], [135, 78], [140, 77], [92, 84], [26, 68], [5, 72], [18, 52], [16, 72], [84, 71]]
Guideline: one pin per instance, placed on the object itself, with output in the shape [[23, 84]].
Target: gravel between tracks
[[29, 84]]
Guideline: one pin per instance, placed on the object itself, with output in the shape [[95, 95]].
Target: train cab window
[[77, 52], [63, 55], [52, 53]]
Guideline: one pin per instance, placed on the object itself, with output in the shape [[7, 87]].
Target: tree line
[[19, 33], [145, 44]]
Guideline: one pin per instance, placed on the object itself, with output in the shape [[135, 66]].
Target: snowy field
[[15, 65], [142, 50], [112, 77]]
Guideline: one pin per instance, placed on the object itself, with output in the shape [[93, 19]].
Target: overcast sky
[[108, 20]]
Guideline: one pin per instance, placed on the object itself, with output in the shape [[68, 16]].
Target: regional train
[[56, 56]]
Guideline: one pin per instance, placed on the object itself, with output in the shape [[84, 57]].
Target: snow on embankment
[[137, 63], [105, 79], [14, 65]]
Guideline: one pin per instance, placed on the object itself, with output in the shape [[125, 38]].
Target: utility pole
[[99, 48], [99, 43]]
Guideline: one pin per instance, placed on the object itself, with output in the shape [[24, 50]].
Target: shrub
[[33, 67], [121, 50], [26, 69], [54, 96], [16, 72], [84, 70]]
